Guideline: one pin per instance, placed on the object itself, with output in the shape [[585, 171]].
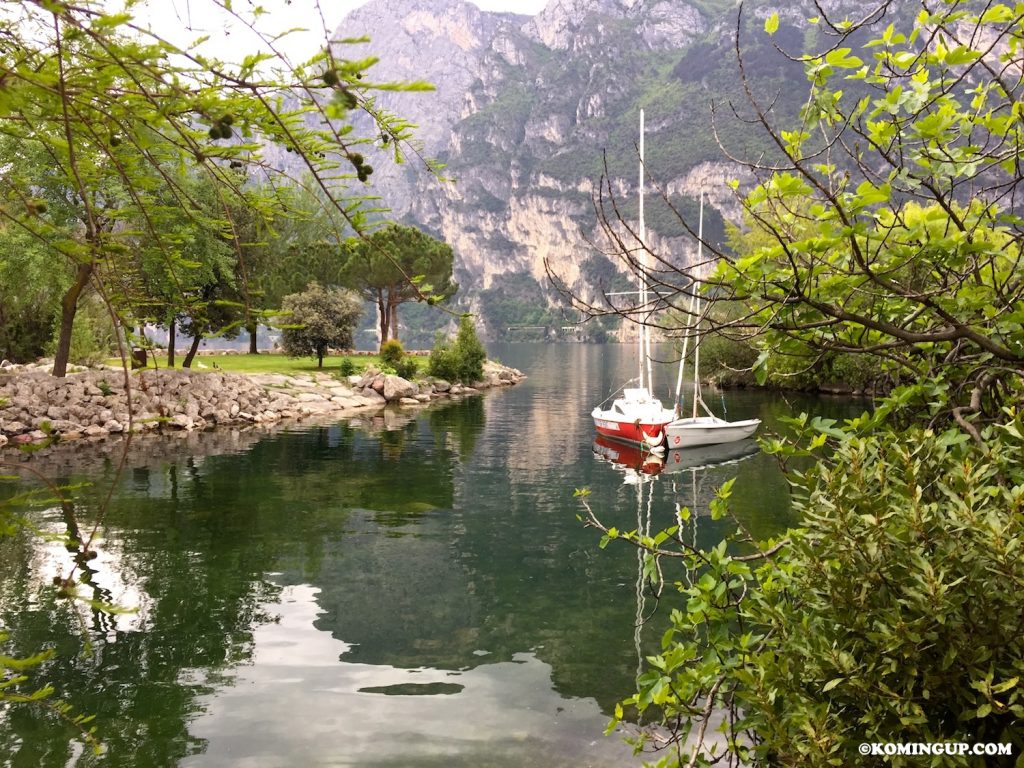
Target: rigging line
[[613, 394]]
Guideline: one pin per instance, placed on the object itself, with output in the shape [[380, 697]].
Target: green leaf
[[771, 24], [832, 684], [842, 59]]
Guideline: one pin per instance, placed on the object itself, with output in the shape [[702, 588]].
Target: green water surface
[[408, 590]]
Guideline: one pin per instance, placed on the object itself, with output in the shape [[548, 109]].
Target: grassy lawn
[[266, 363]]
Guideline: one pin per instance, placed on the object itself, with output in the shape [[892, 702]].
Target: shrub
[[348, 367], [406, 368], [441, 363], [469, 352], [727, 362], [886, 616], [391, 352], [462, 360]]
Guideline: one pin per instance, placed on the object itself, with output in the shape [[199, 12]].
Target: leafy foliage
[[103, 123], [516, 300], [92, 339], [31, 293], [322, 318], [461, 360], [393, 356], [397, 264], [129, 181], [892, 248], [347, 367], [885, 617], [391, 352]]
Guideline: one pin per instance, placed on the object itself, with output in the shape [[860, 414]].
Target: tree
[[281, 247], [320, 318], [31, 296], [397, 264], [96, 109], [100, 121], [887, 228]]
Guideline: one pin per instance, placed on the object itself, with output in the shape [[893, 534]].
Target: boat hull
[[634, 432], [705, 430]]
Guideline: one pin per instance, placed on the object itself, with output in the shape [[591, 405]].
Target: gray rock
[[367, 378], [396, 388], [369, 397]]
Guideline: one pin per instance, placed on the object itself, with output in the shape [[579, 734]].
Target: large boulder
[[395, 388]]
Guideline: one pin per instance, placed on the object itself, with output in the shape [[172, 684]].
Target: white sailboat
[[637, 416], [706, 429]]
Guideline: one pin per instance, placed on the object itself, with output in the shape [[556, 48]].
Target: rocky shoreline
[[94, 403]]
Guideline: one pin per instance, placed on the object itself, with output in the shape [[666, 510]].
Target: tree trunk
[[320, 357], [68, 308], [140, 355], [187, 362], [385, 318], [394, 318], [170, 342], [251, 326]]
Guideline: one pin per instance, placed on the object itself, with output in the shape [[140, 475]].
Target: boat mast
[[696, 339], [682, 357], [691, 329], [644, 352]]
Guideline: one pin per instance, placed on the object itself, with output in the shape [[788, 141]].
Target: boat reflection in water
[[686, 479], [632, 457]]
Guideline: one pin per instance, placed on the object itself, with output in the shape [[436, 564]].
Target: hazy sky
[[183, 21]]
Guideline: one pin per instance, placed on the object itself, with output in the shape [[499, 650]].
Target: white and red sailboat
[[637, 416]]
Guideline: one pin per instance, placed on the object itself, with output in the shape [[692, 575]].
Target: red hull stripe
[[628, 431]]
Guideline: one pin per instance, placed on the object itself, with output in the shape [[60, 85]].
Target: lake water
[[413, 591]]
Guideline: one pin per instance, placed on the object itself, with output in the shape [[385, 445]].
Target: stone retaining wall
[[94, 403]]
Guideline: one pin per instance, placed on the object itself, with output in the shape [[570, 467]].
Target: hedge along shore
[[93, 403]]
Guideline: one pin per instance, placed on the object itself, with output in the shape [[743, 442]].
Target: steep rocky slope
[[530, 112]]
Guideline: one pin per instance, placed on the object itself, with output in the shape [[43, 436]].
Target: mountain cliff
[[529, 112]]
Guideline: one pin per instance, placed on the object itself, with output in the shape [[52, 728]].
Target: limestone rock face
[[525, 110]]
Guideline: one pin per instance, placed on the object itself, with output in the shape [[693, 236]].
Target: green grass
[[266, 363]]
